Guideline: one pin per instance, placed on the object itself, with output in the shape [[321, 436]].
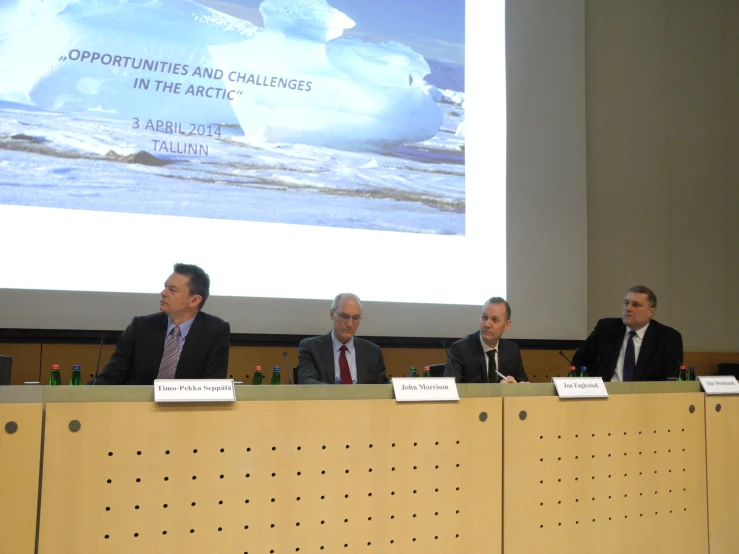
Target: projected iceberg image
[[288, 111]]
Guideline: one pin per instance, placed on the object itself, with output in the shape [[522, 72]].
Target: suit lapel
[[159, 332], [479, 357], [503, 358], [361, 356], [617, 341], [327, 359], [648, 344], [191, 340]]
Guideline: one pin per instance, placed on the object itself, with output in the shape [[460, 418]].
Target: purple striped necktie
[[171, 355]]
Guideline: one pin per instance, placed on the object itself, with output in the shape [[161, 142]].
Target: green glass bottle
[[276, 380], [584, 371], [56, 377], [572, 372], [691, 373], [426, 371], [682, 374], [413, 371], [76, 378], [257, 375]]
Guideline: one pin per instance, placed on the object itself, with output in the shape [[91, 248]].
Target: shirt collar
[[184, 327], [337, 343], [640, 332], [485, 347]]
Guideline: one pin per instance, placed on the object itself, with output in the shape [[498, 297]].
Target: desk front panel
[[625, 474], [20, 455], [259, 477]]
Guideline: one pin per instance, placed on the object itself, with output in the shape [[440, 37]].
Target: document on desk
[[194, 390]]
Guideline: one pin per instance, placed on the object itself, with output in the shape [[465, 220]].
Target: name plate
[[194, 390], [580, 387], [721, 384], [425, 389]]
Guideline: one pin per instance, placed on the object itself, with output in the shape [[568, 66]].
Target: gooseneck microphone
[[565, 357], [287, 368], [100, 354], [678, 360]]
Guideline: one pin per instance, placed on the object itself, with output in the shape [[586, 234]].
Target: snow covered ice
[[335, 130]]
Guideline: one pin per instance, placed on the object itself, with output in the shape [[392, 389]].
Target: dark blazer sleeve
[[513, 363], [309, 363], [118, 369], [454, 366], [587, 354], [370, 363], [216, 361]]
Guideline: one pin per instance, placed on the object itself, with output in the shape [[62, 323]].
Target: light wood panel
[[722, 462], [20, 455], [623, 474], [302, 476]]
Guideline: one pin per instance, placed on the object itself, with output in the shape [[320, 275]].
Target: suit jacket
[[316, 362], [140, 347], [659, 356], [466, 361]]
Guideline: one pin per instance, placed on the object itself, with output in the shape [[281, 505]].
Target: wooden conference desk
[[345, 469]]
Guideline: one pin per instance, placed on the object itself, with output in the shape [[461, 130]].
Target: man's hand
[[509, 379]]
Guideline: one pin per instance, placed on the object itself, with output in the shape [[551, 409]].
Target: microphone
[[287, 367], [565, 357], [678, 360], [100, 354]]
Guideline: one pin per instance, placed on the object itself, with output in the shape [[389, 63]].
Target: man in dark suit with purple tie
[[634, 347], [179, 342]]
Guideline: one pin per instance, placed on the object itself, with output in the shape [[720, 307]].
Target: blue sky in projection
[[433, 29]]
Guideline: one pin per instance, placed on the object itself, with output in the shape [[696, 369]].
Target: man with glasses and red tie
[[339, 357], [634, 347], [179, 342]]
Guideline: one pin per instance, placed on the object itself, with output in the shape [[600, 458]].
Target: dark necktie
[[346, 375], [492, 367], [629, 358], [168, 366]]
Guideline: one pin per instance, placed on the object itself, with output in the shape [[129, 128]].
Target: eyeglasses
[[346, 317]]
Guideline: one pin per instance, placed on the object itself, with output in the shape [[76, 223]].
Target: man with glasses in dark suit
[[340, 357]]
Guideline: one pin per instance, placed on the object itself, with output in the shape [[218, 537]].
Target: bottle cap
[[276, 368], [258, 368], [74, 367], [572, 367], [55, 366], [681, 367], [583, 367], [427, 368]]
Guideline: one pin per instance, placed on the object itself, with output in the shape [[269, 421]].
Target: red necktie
[[346, 375]]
